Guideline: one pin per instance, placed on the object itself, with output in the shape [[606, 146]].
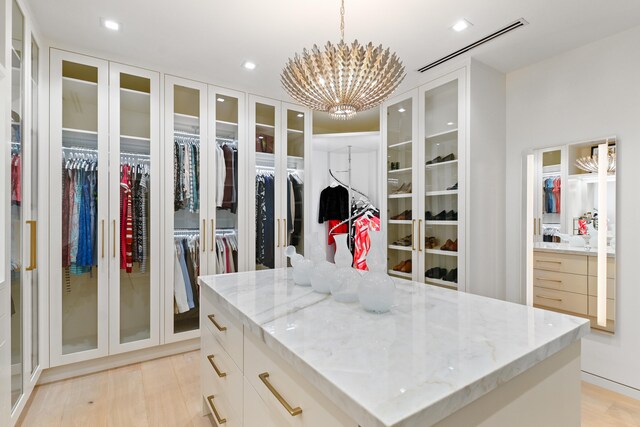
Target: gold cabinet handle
[[219, 419], [102, 238], [550, 262], [264, 377], [284, 226], [420, 235], [114, 238], [548, 280], [278, 220], [551, 299], [213, 236], [215, 368], [539, 226], [535, 232], [413, 239], [221, 328], [32, 245], [204, 233]]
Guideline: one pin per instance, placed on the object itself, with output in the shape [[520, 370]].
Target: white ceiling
[[209, 39]]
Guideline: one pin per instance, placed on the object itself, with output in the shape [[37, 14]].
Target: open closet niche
[[341, 160]]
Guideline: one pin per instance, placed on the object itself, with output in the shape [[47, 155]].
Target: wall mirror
[[571, 230]]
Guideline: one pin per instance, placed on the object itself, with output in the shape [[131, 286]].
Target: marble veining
[[435, 352]]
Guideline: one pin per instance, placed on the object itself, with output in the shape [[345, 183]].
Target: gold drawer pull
[[264, 377], [548, 280], [550, 299], [215, 368], [216, 324], [550, 262], [219, 419]]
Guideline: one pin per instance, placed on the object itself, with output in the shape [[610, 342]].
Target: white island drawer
[[224, 327], [288, 398], [221, 370]]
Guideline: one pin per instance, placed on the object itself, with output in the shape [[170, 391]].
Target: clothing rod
[[181, 133], [219, 138], [272, 169], [95, 151], [16, 143]]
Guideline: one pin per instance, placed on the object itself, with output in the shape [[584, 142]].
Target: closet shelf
[[435, 165], [439, 282], [400, 274], [400, 248], [301, 132], [441, 252], [78, 81], [400, 170], [441, 222], [399, 196], [399, 145], [400, 221], [441, 193], [441, 134]]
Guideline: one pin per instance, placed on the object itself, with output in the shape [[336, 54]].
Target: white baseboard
[[92, 366], [611, 385]]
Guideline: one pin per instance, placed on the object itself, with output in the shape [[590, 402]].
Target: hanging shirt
[[179, 285], [221, 174], [362, 241], [334, 204]]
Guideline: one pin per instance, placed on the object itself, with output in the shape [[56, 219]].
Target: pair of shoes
[[431, 242], [404, 189], [450, 245], [442, 216], [436, 273], [440, 159], [453, 187], [452, 276], [404, 266], [394, 166], [403, 216], [405, 241]]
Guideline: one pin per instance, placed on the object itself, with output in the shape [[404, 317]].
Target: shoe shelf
[[441, 252], [400, 274], [399, 170], [435, 165], [399, 145], [400, 196], [439, 135], [400, 221], [400, 248], [441, 222], [440, 282], [441, 193]]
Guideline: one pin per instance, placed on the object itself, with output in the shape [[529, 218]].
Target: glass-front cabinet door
[[79, 99], [442, 173], [134, 184], [186, 215], [227, 205], [401, 217]]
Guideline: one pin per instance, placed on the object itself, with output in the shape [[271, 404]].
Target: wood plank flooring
[[166, 392]]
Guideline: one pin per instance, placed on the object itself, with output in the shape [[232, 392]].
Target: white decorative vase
[[345, 287], [302, 268], [376, 292], [343, 257], [323, 277]]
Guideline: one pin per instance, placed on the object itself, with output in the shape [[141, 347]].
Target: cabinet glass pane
[[135, 186], [17, 129], [551, 200], [226, 188], [400, 188], [265, 140], [441, 185], [186, 202], [79, 207], [295, 176], [34, 199]]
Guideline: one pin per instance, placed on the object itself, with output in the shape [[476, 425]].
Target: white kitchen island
[[276, 354]]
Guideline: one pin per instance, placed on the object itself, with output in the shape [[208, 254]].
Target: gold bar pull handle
[[413, 239], [215, 368], [213, 236], [264, 377], [221, 328], [216, 414], [114, 238], [539, 227], [204, 233], [284, 222], [278, 220], [32, 245], [550, 299], [102, 238], [420, 235]]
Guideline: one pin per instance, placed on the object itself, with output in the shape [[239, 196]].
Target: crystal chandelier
[[343, 79]]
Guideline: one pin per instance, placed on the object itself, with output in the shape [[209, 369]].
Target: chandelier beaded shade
[[344, 78]]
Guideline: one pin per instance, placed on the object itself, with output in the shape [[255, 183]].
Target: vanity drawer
[[611, 308], [593, 287], [265, 369], [611, 267], [560, 300], [224, 327], [552, 261], [219, 368], [560, 281]]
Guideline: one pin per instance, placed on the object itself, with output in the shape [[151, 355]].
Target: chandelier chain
[[342, 21]]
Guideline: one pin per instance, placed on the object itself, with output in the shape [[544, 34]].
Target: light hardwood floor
[[166, 392]]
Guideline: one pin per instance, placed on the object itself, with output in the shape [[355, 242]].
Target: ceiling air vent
[[519, 23]]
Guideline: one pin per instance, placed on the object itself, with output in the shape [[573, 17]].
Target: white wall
[[590, 92]]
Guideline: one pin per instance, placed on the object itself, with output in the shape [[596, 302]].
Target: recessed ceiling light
[[220, 99], [300, 115], [111, 24], [249, 65], [450, 124], [461, 25], [401, 110]]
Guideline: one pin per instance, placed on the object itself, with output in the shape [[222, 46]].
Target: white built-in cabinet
[[279, 161]]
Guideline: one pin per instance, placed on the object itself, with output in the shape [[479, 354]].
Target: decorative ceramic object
[[315, 249], [301, 268], [376, 291], [323, 277], [345, 288], [343, 256]]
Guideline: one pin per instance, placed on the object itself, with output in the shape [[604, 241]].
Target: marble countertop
[[435, 352], [564, 248]]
